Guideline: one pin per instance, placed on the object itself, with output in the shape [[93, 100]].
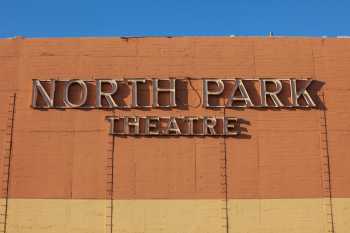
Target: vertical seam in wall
[[325, 155], [12, 109], [110, 184], [112, 181], [226, 184], [328, 167]]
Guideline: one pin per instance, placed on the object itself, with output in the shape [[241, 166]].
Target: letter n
[[48, 99]]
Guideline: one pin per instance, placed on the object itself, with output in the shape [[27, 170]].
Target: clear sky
[[72, 18]]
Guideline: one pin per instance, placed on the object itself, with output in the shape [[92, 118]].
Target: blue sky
[[72, 18]]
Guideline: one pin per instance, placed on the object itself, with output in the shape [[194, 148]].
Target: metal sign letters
[[170, 94]]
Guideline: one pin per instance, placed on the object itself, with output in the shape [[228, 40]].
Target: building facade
[[275, 168]]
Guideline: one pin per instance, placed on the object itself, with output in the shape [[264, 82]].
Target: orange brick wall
[[274, 181]]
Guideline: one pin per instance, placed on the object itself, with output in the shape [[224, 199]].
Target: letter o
[[83, 96]]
